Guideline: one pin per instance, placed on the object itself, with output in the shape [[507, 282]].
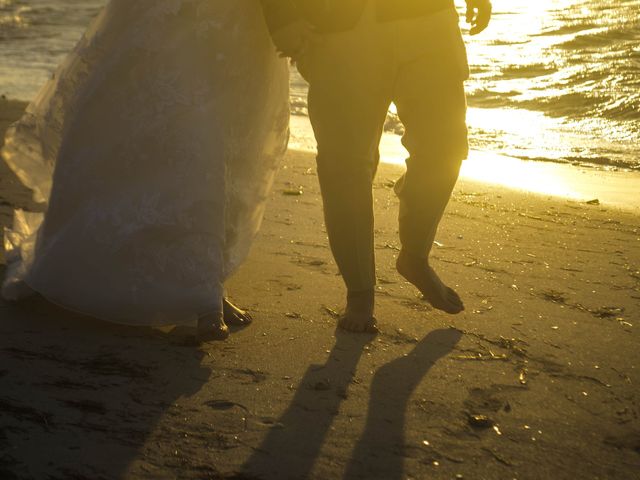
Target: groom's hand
[[293, 39], [478, 15]]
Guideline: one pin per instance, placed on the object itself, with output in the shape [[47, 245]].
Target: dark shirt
[[341, 15]]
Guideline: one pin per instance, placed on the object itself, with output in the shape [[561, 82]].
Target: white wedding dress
[[154, 147]]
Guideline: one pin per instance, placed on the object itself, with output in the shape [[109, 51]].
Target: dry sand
[[538, 379]]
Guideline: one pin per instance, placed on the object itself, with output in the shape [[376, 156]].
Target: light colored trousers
[[419, 64]]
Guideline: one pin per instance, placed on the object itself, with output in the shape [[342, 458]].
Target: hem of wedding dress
[[189, 319], [16, 286], [16, 291]]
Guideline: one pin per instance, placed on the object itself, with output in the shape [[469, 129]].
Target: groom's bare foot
[[358, 316], [417, 271], [234, 316], [211, 327]]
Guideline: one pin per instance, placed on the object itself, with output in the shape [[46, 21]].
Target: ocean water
[[552, 80], [35, 35]]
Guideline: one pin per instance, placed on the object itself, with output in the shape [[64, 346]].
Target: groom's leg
[[347, 131], [429, 94], [349, 94], [347, 159], [433, 113]]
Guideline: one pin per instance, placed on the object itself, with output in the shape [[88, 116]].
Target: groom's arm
[[279, 13], [290, 32]]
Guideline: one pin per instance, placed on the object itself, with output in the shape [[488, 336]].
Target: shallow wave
[[566, 29], [487, 98], [531, 70], [627, 108], [609, 89], [577, 104], [603, 37]]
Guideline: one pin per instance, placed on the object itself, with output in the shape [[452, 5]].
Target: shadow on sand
[[381, 450], [80, 399], [291, 451]]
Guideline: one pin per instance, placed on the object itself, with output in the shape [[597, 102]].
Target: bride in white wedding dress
[[154, 148]]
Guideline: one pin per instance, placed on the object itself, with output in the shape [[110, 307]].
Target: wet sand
[[537, 379]]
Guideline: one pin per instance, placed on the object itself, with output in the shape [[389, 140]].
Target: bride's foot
[[417, 271], [234, 316], [358, 316], [211, 327]]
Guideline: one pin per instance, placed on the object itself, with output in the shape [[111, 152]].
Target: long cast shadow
[[81, 399], [380, 452], [290, 451]]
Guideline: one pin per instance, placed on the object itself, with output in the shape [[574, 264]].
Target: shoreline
[[581, 183]]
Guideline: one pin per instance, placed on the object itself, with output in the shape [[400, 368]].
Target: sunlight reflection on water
[[552, 80]]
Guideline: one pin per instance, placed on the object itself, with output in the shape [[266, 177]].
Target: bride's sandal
[[234, 316], [211, 327]]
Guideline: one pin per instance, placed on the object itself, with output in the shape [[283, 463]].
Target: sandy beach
[[537, 379]]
